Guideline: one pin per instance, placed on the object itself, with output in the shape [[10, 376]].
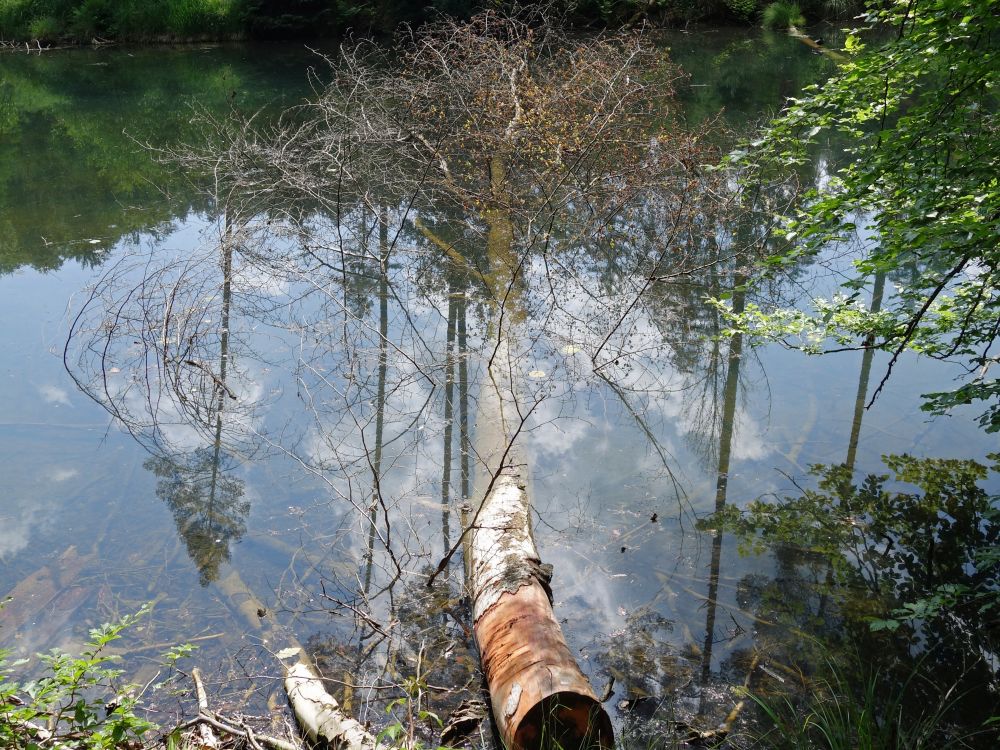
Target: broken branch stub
[[540, 697]]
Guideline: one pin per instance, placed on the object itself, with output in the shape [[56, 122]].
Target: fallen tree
[[319, 715], [508, 164], [317, 712], [497, 143], [540, 697]]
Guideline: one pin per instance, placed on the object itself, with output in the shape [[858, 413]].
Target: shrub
[[13, 19], [45, 29], [135, 19], [742, 9], [782, 15], [91, 19], [198, 17], [77, 704]]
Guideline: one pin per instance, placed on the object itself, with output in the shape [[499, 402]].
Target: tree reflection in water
[[207, 504], [566, 216]]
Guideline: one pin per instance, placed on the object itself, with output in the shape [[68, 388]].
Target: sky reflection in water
[[666, 609]]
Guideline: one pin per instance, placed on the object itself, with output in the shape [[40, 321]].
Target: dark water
[[268, 507]]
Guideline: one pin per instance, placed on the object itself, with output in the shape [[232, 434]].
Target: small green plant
[[782, 15], [171, 656], [78, 704], [402, 733]]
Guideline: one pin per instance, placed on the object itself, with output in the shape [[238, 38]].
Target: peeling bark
[[540, 697]]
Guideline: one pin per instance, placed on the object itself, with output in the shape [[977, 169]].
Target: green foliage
[[134, 19], [905, 565], [13, 19], [71, 167], [197, 17], [92, 18], [79, 703], [740, 80], [921, 190], [782, 15], [82, 20], [45, 29], [744, 10], [173, 655], [622, 11], [979, 389], [860, 710]]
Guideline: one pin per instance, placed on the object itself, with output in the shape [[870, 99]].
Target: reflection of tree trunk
[[463, 408], [204, 500], [220, 386], [383, 343], [503, 281], [722, 480], [449, 387], [859, 410], [866, 369]]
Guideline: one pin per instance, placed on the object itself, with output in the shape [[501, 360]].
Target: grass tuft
[[870, 712], [782, 15], [45, 29]]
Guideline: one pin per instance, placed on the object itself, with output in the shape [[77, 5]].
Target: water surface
[[256, 524]]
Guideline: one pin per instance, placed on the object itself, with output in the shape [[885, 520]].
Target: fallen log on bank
[[540, 697], [318, 713], [816, 46]]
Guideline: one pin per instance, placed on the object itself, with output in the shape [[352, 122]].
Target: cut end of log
[[565, 720]]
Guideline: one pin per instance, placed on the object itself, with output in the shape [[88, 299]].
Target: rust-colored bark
[[540, 696]]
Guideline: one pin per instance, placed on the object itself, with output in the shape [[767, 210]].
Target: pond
[[232, 484]]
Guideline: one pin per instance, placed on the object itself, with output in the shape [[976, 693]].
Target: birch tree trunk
[[319, 715], [540, 697]]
